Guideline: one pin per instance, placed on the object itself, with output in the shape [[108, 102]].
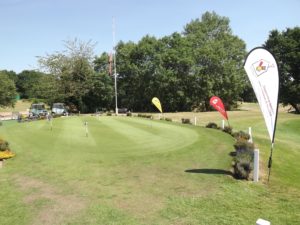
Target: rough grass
[[20, 106], [138, 171]]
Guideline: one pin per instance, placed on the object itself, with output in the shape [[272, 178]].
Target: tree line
[[183, 70]]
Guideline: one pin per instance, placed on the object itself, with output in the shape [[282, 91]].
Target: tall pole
[[115, 67]]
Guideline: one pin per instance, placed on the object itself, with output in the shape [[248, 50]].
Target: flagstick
[[228, 123], [270, 161], [114, 63], [86, 129]]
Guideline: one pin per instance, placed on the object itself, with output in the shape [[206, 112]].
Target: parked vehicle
[[59, 109], [38, 109]]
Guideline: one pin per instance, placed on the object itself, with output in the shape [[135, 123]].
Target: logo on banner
[[215, 101], [261, 67]]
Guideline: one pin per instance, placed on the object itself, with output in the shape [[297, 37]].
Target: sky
[[31, 28]]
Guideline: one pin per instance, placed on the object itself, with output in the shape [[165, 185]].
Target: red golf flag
[[217, 103]]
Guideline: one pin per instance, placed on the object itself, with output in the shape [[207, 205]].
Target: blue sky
[[31, 28]]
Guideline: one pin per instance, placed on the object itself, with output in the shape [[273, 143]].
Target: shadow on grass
[[210, 171]]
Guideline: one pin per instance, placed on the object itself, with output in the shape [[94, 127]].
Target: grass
[[20, 106], [138, 171]]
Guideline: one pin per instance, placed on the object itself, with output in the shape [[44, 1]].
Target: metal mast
[[115, 67]]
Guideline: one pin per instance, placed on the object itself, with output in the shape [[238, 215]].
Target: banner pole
[[270, 161]]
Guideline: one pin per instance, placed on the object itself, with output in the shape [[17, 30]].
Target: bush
[[108, 113], [241, 135], [168, 119], [145, 116], [228, 129], [6, 154], [243, 145], [4, 145], [243, 161], [128, 114], [186, 121], [212, 125]]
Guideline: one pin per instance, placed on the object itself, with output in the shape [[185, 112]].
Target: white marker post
[[223, 124], [195, 121], [262, 222], [250, 134], [256, 165]]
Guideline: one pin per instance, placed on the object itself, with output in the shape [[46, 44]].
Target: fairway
[[130, 170]]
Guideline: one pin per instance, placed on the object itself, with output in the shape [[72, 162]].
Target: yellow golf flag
[[156, 102]]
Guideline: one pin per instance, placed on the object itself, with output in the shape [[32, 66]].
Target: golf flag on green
[[262, 70], [156, 102]]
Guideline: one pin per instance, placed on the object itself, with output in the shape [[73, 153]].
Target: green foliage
[[212, 125], [128, 114], [243, 145], [186, 121], [227, 129], [168, 119], [7, 90], [243, 159], [31, 84], [4, 145], [285, 46], [241, 135], [145, 116], [183, 69], [77, 82]]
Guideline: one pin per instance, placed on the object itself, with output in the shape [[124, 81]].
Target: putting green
[[113, 136]]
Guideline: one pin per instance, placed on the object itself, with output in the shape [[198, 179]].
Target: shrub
[[4, 145], [228, 129], [6, 154], [212, 125], [108, 113], [241, 135], [243, 161], [186, 121], [145, 116], [168, 119], [243, 145], [128, 114]]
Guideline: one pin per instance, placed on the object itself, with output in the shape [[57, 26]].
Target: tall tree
[[7, 91], [218, 60], [11, 74], [28, 82], [285, 46], [74, 70]]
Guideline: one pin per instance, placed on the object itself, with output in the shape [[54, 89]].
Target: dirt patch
[[52, 206]]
